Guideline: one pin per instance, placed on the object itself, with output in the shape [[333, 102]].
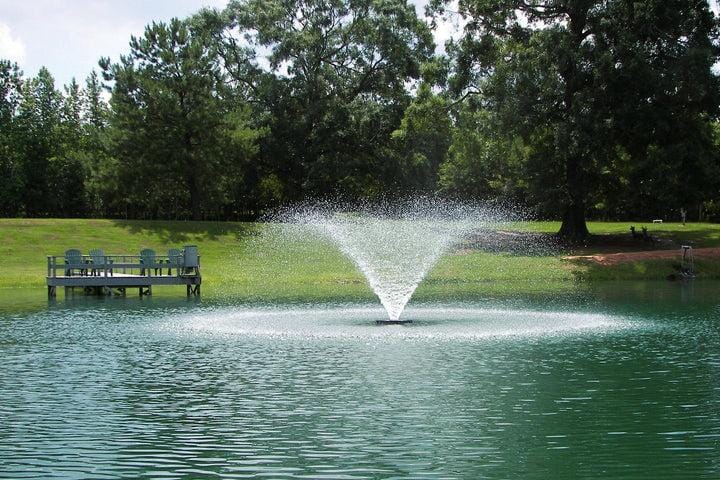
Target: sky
[[69, 36]]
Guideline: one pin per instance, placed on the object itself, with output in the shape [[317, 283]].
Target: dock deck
[[114, 274]]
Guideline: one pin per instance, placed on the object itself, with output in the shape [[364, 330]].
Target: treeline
[[578, 108]]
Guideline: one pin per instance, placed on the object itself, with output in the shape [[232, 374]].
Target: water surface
[[622, 382]]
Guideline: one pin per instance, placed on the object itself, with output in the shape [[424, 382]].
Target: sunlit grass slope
[[248, 261]]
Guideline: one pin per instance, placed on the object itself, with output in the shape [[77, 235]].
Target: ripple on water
[[245, 392]]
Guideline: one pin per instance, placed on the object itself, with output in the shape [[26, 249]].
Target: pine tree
[[11, 172], [38, 120]]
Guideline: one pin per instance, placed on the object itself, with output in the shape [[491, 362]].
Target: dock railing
[[111, 265]]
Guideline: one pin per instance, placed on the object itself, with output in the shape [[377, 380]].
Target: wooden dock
[[115, 274]]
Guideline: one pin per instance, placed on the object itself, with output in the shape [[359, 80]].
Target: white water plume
[[437, 323], [396, 245]]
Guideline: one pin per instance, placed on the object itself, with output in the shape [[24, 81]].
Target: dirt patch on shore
[[624, 257]]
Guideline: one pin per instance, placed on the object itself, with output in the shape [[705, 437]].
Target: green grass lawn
[[244, 260]]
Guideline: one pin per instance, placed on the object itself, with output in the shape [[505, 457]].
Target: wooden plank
[[125, 281]]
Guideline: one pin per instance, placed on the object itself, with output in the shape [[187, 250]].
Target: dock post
[[193, 289], [52, 293]]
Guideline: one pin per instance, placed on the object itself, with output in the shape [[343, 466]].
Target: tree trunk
[[195, 206], [193, 182], [573, 225]]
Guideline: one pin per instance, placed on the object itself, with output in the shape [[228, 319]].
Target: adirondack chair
[[175, 260], [99, 261], [147, 260], [74, 261]]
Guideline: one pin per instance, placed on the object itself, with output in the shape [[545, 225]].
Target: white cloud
[[11, 48], [447, 27], [69, 36]]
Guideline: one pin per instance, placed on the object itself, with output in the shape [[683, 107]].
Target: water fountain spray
[[395, 244]]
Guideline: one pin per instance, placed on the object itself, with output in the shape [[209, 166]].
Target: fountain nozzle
[[392, 322]]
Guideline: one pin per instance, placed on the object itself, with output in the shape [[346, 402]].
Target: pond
[[619, 382]]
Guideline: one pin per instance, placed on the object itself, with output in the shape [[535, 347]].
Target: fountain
[[395, 245]]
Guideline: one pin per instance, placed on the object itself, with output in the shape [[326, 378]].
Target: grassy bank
[[242, 260]]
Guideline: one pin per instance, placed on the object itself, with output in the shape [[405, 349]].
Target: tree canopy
[[572, 108], [595, 90]]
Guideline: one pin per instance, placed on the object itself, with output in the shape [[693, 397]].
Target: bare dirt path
[[623, 257]]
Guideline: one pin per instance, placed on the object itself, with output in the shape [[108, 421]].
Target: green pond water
[[622, 381]]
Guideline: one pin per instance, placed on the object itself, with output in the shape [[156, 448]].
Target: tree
[[66, 170], [577, 81], [663, 95], [180, 143], [333, 88], [480, 163], [11, 174], [423, 140], [99, 164], [37, 121]]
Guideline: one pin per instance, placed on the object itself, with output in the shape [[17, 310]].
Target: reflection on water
[[625, 383]]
